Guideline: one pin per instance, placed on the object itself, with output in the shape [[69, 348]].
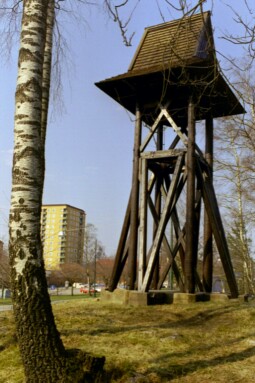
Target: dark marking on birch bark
[[21, 254], [16, 216]]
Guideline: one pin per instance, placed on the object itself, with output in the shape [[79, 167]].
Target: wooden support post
[[198, 282], [213, 212], [175, 220], [171, 263], [208, 242], [166, 212], [135, 202], [143, 223], [179, 235], [158, 208], [120, 254], [170, 253], [191, 256]]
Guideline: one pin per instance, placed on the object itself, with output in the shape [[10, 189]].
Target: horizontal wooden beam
[[160, 154]]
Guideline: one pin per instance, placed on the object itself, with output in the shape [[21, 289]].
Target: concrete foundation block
[[119, 296], [137, 298], [246, 298], [190, 298], [159, 297], [218, 297], [184, 298]]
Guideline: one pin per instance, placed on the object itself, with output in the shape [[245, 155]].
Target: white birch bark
[[47, 59], [27, 160], [43, 356]]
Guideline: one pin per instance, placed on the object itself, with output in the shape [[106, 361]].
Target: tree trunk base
[[84, 367]]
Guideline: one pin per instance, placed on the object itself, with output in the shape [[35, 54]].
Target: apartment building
[[62, 233]]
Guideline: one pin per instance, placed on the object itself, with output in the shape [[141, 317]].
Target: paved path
[[5, 307], [10, 307]]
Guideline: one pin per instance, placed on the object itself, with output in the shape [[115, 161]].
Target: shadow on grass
[[198, 319], [162, 365], [172, 371], [9, 342]]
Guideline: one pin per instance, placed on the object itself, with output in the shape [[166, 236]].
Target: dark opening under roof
[[173, 61]]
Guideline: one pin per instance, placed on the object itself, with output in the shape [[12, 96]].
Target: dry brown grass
[[201, 342]]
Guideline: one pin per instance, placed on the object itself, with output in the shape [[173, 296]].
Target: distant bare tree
[[93, 251], [104, 269], [244, 34], [4, 269], [236, 171], [72, 272]]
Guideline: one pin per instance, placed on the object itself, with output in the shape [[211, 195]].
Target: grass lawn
[[8, 301], [198, 342]]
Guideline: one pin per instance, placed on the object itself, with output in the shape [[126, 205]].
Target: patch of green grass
[[8, 301], [202, 342], [70, 297]]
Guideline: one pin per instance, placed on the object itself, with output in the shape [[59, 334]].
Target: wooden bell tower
[[174, 87]]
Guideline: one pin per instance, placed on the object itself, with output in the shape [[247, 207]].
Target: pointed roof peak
[[176, 43]]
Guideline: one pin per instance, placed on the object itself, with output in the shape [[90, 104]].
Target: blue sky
[[89, 145]]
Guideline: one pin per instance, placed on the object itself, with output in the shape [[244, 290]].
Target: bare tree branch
[[114, 13], [247, 38]]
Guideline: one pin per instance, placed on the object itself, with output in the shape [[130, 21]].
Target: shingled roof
[[182, 42], [173, 61]]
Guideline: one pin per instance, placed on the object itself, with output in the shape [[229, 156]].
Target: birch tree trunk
[[41, 348], [46, 78], [44, 356]]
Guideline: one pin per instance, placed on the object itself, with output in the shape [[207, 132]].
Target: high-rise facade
[[62, 233]]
